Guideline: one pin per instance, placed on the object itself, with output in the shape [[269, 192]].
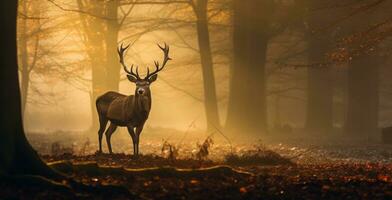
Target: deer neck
[[142, 105]]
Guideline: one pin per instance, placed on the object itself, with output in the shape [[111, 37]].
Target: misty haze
[[196, 99]]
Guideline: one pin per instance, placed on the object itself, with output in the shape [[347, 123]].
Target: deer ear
[[153, 78], [131, 78]]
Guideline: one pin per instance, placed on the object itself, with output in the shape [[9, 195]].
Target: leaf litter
[[273, 171]]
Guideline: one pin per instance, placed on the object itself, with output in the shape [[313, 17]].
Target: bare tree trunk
[[16, 154], [102, 36], [260, 13], [98, 87], [237, 97], [247, 103], [111, 39], [210, 99], [363, 96], [94, 29], [363, 79], [319, 101], [320, 88]]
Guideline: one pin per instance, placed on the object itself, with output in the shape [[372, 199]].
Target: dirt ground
[[212, 169]]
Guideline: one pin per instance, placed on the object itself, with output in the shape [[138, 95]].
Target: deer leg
[[133, 136], [102, 126], [138, 131], [136, 144], [108, 134]]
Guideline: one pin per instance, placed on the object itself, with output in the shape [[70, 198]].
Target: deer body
[[127, 111], [124, 110]]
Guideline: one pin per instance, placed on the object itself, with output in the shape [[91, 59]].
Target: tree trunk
[[319, 104], [319, 101], [362, 111], [247, 101], [210, 99], [16, 154], [99, 87], [111, 39], [237, 102], [320, 88], [258, 37], [94, 29]]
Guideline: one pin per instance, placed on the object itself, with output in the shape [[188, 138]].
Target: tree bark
[[320, 88], [16, 154], [210, 97], [247, 101], [238, 87], [363, 96], [319, 109], [258, 36], [94, 29], [112, 63]]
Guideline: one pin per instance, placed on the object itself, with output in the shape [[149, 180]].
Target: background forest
[[247, 68], [290, 99]]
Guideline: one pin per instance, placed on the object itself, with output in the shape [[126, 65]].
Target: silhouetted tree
[[319, 86], [251, 33], [210, 99], [365, 36], [93, 26], [16, 154], [363, 96]]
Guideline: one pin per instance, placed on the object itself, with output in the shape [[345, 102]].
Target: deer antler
[[121, 51], [158, 68]]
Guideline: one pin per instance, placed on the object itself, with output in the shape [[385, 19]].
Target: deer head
[[143, 84]]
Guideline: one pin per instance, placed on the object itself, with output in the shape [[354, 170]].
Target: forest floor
[[214, 170]]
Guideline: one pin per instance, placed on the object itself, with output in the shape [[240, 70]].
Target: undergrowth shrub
[[260, 155]]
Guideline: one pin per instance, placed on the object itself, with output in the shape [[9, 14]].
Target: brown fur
[[124, 111], [129, 111]]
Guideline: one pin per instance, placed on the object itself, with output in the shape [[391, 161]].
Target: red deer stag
[[130, 111]]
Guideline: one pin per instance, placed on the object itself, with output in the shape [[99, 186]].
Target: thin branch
[[126, 15], [155, 2], [24, 16], [79, 11]]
